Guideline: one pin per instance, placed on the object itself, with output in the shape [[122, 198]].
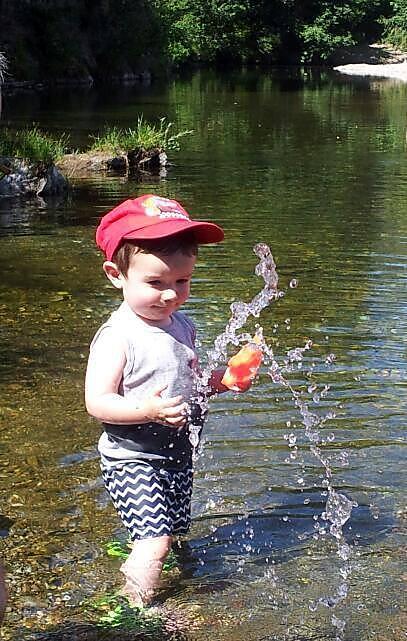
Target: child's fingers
[[176, 416], [176, 411], [174, 401], [159, 390], [176, 421]]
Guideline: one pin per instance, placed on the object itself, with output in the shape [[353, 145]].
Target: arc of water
[[338, 507]]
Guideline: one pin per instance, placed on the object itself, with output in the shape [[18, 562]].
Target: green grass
[[143, 136], [113, 611], [32, 145]]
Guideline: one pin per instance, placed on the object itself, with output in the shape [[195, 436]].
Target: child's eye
[[154, 283], [181, 281]]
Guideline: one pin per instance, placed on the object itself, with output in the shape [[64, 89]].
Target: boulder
[[20, 178]]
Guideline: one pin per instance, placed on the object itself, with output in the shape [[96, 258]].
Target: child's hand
[[167, 411]]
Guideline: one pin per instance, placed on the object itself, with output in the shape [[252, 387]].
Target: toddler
[[140, 378]]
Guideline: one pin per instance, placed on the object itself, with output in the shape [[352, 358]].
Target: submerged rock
[[146, 160], [137, 160], [20, 178]]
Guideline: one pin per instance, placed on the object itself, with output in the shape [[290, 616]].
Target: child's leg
[[143, 568], [143, 499], [153, 504]]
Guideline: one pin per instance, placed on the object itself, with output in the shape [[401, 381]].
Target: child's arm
[[104, 373]]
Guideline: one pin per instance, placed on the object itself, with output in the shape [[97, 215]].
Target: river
[[314, 165]]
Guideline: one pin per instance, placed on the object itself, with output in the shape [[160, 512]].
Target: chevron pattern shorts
[[151, 502]]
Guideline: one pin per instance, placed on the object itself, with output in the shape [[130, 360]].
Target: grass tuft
[[143, 136], [32, 145]]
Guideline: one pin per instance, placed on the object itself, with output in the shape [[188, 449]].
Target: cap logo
[[162, 208]]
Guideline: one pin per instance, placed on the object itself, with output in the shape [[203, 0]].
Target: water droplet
[[292, 439]]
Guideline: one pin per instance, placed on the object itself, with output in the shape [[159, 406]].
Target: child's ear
[[113, 273]]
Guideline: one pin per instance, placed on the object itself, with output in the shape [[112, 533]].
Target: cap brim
[[204, 232]]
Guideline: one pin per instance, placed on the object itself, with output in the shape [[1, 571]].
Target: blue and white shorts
[[151, 502]]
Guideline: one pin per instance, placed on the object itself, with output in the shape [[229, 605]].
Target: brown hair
[[185, 242]]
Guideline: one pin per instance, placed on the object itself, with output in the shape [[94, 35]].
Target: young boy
[[140, 378]]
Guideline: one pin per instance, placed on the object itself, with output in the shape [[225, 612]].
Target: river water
[[314, 165]]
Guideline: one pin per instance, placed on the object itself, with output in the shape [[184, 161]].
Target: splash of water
[[338, 507]]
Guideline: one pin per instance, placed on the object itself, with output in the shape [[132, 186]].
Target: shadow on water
[[273, 536], [5, 525], [260, 539], [73, 631]]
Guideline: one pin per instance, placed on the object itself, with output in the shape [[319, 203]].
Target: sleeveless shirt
[[155, 356]]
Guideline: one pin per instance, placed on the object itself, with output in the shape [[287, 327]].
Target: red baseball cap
[[149, 217]]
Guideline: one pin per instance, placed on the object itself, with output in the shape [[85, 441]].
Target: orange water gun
[[243, 366]]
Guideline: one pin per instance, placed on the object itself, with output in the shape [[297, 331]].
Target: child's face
[[156, 285]]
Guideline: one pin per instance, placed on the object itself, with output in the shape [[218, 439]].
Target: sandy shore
[[375, 60], [397, 70]]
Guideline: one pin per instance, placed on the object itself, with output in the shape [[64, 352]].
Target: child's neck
[[152, 323]]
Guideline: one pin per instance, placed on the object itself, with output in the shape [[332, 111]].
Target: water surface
[[315, 166]]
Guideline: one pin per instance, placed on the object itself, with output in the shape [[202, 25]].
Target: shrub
[[338, 24], [395, 27]]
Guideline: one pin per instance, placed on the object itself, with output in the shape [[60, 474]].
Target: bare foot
[[136, 597]]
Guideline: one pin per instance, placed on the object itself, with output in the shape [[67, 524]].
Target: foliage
[[32, 145], [395, 26], [110, 38], [208, 30], [114, 611], [338, 24], [272, 30], [118, 549], [104, 38], [144, 136]]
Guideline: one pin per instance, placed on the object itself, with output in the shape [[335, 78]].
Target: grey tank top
[[154, 357]]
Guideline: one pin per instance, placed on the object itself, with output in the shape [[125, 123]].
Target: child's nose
[[169, 294]]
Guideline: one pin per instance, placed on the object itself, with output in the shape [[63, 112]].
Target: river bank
[[378, 60]]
